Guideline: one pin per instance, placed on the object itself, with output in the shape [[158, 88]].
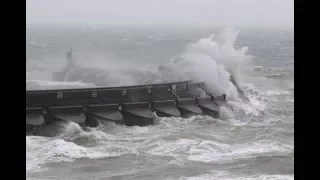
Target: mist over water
[[252, 140]]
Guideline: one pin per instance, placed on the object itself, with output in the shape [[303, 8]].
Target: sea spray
[[212, 60]]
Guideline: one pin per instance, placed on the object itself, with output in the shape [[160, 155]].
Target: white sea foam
[[212, 60], [226, 175], [43, 150], [276, 92], [216, 152], [209, 59]]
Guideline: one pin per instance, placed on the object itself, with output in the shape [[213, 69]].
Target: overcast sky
[[190, 12]]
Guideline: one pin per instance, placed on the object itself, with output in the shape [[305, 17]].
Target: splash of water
[[212, 60]]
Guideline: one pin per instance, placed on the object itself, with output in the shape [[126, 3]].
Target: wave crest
[[212, 60]]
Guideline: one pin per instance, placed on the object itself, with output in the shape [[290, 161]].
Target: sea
[[253, 138]]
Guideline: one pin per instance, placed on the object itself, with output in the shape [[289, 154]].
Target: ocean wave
[[41, 151], [125, 39], [198, 139], [274, 72], [211, 60], [157, 37], [217, 152], [172, 137], [252, 105], [35, 44], [276, 75], [226, 175], [276, 93]]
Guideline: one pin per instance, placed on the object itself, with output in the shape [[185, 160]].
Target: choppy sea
[[254, 139]]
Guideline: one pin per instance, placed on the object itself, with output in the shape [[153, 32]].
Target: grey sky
[[194, 12]]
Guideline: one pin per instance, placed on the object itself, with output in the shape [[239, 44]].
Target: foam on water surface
[[248, 130]]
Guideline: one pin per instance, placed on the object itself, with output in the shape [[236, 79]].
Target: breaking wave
[[212, 60], [233, 138], [173, 137]]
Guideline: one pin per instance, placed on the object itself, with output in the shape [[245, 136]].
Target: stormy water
[[253, 139]]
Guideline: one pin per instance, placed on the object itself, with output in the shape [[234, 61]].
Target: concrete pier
[[130, 105]]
